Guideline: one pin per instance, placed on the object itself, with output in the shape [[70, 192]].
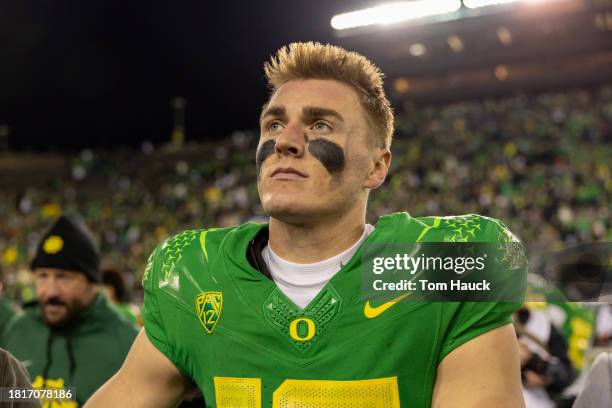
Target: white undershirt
[[302, 282]]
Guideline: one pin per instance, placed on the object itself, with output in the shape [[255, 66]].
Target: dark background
[[102, 73]]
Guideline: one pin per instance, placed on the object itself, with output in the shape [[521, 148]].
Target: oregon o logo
[[302, 329]]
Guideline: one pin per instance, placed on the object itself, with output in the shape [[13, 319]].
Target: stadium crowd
[[540, 163]]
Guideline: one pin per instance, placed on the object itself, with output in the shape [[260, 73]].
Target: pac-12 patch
[[208, 308]]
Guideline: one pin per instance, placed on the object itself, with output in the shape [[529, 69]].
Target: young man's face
[[62, 295], [314, 153]]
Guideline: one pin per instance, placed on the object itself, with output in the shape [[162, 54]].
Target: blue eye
[[273, 126], [321, 126]]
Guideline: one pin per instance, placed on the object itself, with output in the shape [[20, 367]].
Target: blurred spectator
[[14, 376], [7, 310], [72, 338], [597, 392], [603, 328], [545, 366], [117, 292]]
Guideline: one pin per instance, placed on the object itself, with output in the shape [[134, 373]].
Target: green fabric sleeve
[[151, 314], [471, 319], [468, 320]]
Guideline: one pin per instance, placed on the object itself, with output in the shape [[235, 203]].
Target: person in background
[[603, 327], [7, 310], [70, 337], [597, 392], [118, 293], [545, 366], [13, 375]]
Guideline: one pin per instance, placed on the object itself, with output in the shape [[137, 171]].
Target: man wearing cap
[[71, 337]]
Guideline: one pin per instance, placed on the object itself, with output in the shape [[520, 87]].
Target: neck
[[316, 241]]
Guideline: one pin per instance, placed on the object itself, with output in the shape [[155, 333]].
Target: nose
[[49, 288], [291, 142]]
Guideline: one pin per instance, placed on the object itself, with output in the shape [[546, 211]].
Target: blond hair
[[312, 60]]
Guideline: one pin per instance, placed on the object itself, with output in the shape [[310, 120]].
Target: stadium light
[[501, 72], [504, 36], [417, 50], [394, 13], [483, 3], [455, 43], [401, 85]]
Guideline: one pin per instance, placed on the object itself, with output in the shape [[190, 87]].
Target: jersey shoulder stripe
[[201, 243]]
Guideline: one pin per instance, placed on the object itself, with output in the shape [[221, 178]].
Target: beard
[[58, 313]]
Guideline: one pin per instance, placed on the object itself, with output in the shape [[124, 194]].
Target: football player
[[270, 315]]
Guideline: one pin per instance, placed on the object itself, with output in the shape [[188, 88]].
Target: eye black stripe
[[265, 150], [330, 154]]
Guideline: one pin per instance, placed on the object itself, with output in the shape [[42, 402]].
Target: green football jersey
[[227, 326]]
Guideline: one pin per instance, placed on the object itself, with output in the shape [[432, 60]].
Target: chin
[[56, 321], [283, 211], [59, 320], [288, 211], [295, 211]]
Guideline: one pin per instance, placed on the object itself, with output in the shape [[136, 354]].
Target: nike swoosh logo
[[372, 312]]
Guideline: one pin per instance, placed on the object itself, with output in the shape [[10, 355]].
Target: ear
[[378, 169]]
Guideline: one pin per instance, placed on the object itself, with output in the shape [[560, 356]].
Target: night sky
[[102, 73]]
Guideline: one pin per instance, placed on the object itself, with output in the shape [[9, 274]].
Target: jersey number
[[231, 392]]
